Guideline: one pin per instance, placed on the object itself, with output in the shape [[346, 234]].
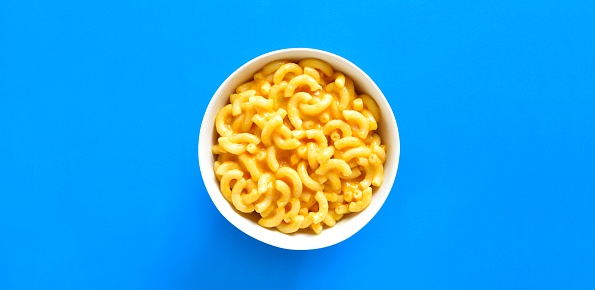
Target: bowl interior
[[351, 223]]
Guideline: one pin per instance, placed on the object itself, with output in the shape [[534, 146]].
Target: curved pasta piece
[[284, 131], [318, 64], [334, 164], [285, 69], [273, 66], [307, 219], [285, 191], [316, 134], [269, 128], [290, 174], [369, 170], [239, 100], [306, 179], [339, 80], [356, 153], [226, 179], [245, 87], [231, 147], [274, 220], [225, 167], [245, 138], [222, 128], [292, 226], [380, 152], [285, 144], [259, 120], [342, 208], [318, 216], [276, 95], [264, 202], [371, 105], [238, 122], [237, 198], [372, 124], [292, 108], [263, 86], [261, 104], [247, 119], [332, 88], [378, 170], [335, 181], [348, 142], [376, 141], [356, 118], [355, 173], [268, 211], [315, 109], [252, 195], [337, 125], [334, 110], [312, 154], [293, 212], [357, 206], [250, 166], [301, 80], [313, 73], [344, 98], [272, 161], [325, 154], [265, 183], [250, 185], [263, 83]]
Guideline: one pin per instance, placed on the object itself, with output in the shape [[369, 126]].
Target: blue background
[[101, 104]]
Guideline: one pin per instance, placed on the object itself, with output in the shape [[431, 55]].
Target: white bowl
[[247, 223]]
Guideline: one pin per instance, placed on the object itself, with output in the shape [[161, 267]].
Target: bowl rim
[[232, 215]]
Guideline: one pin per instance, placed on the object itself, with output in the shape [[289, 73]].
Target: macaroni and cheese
[[298, 146]]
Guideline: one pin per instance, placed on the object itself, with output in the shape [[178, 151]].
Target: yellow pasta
[[237, 198], [297, 146], [292, 226], [274, 219], [283, 70]]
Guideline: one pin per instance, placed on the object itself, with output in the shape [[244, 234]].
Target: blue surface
[[101, 104]]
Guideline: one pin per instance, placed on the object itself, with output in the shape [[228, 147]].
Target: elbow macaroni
[[298, 146]]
